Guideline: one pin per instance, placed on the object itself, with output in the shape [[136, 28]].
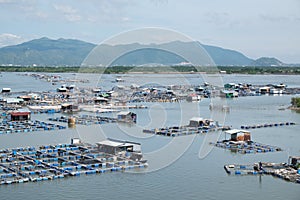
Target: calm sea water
[[175, 169]]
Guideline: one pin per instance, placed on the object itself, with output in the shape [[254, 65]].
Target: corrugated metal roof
[[19, 113], [124, 113], [110, 143], [196, 119], [234, 131]]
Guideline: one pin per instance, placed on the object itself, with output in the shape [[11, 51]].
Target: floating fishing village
[[288, 171], [52, 162], [149, 100], [69, 106]]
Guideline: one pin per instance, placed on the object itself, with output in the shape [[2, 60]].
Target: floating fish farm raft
[[279, 170], [175, 131], [27, 126], [32, 164], [246, 147], [267, 125], [86, 119], [197, 125]]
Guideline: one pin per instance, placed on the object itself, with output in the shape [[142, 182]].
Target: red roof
[[19, 113]]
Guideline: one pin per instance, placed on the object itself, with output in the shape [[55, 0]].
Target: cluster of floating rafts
[[174, 131], [85, 119], [267, 125], [27, 126], [279, 170], [246, 147], [48, 111], [32, 164]]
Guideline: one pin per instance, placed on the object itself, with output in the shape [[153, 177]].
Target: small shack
[[229, 93], [280, 86], [231, 86], [71, 87], [193, 97], [264, 90], [96, 90], [34, 96], [14, 101], [238, 135], [5, 90], [200, 122], [75, 141], [100, 100], [295, 161], [25, 97], [112, 146], [62, 89], [126, 116], [20, 115], [69, 107]]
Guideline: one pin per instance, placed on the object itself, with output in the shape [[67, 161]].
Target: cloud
[[7, 39], [273, 18], [159, 2], [70, 13], [7, 1], [107, 11], [222, 20], [125, 19], [23, 9], [66, 9]]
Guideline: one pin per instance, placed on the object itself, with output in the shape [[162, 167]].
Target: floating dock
[[279, 170], [175, 131], [246, 147], [7, 127], [45, 109], [267, 125], [30, 164], [86, 119], [197, 125]]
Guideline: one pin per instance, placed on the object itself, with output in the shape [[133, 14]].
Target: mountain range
[[70, 52]]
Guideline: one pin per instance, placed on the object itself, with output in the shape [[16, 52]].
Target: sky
[[257, 28]]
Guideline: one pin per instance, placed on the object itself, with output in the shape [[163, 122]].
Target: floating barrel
[[71, 120]]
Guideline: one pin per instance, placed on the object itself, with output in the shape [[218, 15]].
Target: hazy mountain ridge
[[70, 52], [46, 52], [264, 61]]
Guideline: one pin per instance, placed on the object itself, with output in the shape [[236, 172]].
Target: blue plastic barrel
[[237, 172]]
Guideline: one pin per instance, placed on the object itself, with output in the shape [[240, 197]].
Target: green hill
[[46, 52], [70, 52]]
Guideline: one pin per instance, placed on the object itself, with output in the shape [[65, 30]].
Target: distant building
[[62, 89], [116, 147], [25, 97], [96, 90], [200, 122], [231, 86], [14, 101], [20, 115], [238, 135], [264, 90], [229, 93], [100, 100], [295, 161], [6, 90], [75, 141], [69, 107], [126, 116], [193, 97]]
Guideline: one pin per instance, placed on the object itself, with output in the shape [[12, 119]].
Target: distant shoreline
[[294, 108], [158, 70]]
